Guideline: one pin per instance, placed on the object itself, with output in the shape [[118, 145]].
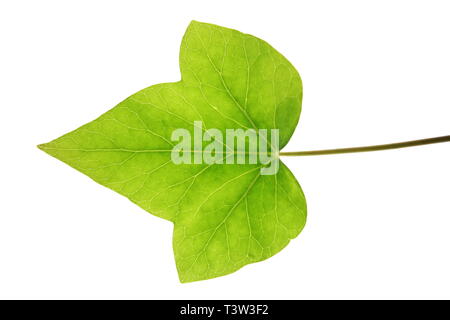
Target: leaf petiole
[[379, 147]]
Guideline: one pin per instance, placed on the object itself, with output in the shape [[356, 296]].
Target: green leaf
[[225, 215]]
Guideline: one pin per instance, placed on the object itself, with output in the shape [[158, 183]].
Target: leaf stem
[[397, 145]]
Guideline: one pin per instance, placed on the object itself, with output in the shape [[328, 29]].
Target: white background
[[373, 72]]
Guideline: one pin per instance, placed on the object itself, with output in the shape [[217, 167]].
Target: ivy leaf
[[225, 215]]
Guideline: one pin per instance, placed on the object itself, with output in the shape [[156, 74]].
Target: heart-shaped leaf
[[225, 215]]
